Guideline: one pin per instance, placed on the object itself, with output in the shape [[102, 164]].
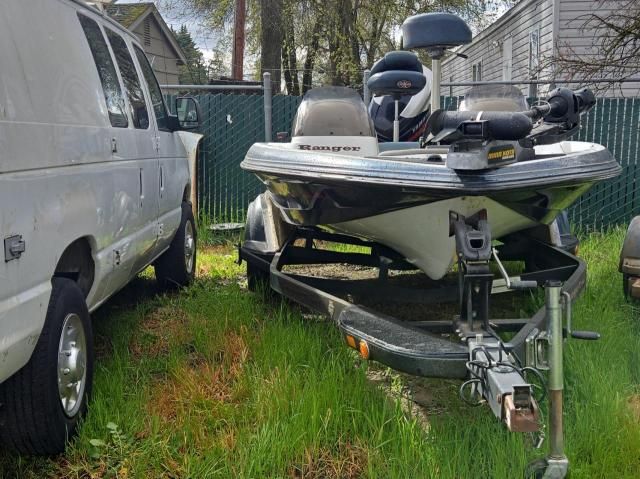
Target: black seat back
[[397, 73]]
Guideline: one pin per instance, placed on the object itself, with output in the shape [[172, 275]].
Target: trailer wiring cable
[[478, 370]]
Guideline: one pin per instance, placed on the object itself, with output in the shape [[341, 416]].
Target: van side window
[[154, 89], [106, 72], [130, 79]]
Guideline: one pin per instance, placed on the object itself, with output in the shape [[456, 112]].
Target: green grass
[[213, 382]]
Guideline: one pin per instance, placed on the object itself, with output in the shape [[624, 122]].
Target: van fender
[[191, 142], [265, 231]]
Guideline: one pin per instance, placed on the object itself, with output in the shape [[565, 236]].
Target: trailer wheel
[[177, 266], [42, 404]]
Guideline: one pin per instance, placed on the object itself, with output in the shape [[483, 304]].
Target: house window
[[106, 72], [147, 32], [507, 59], [534, 60], [476, 73], [534, 54]]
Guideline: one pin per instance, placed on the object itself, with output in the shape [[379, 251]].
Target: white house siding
[[160, 53], [487, 47], [574, 37]]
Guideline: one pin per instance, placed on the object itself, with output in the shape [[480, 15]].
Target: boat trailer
[[508, 375]]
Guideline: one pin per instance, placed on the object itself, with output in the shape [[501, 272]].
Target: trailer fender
[[629, 264], [265, 230], [630, 255]]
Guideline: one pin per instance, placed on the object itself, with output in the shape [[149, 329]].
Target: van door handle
[[141, 189], [161, 181]]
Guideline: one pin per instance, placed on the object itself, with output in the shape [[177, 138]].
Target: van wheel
[[42, 404], [177, 266]]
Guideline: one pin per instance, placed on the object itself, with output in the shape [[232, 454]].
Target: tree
[[614, 27], [194, 71], [271, 38], [333, 40]]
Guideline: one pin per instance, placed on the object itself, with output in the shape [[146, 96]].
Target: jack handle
[[585, 335]]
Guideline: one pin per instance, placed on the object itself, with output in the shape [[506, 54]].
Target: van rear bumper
[[21, 320]]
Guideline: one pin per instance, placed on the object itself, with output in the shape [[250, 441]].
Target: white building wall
[[577, 37], [488, 47]]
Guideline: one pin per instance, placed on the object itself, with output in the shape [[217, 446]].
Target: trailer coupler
[[497, 380]]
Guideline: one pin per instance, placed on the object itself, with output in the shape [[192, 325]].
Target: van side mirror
[[188, 111]]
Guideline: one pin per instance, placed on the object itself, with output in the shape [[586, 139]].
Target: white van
[[94, 186]]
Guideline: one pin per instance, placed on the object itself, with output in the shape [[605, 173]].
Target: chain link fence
[[233, 122]]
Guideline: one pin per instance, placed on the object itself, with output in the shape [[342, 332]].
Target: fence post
[[365, 88], [267, 106]]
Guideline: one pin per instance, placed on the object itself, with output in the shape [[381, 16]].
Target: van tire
[[173, 268], [32, 417]]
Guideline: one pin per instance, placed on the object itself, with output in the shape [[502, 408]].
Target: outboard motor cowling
[[402, 86]]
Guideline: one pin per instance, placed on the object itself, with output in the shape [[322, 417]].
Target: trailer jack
[[545, 351]]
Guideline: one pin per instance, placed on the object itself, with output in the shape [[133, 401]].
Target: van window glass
[[130, 79], [106, 72], [154, 89]]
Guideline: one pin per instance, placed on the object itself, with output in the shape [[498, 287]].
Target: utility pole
[[237, 57]]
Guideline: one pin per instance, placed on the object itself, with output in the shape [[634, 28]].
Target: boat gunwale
[[570, 168]]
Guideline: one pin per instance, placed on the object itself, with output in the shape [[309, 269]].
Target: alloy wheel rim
[[72, 364], [189, 246]]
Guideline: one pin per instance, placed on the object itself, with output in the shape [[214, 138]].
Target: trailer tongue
[[507, 375]]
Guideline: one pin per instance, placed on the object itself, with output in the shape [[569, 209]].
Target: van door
[[173, 164], [144, 135], [129, 166]]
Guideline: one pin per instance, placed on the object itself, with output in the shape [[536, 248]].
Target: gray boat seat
[[397, 73], [398, 145]]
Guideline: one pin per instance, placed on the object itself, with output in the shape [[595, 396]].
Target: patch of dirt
[[158, 331], [198, 384], [347, 462]]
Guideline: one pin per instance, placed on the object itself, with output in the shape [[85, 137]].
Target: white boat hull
[[421, 233]]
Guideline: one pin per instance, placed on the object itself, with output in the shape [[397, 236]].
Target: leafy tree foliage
[[194, 72], [312, 42], [614, 28]]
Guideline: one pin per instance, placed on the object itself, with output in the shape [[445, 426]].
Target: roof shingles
[[127, 13]]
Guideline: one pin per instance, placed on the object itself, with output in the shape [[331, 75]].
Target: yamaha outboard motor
[[413, 108]]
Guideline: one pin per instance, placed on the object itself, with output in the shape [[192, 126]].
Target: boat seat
[[396, 74], [435, 32]]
